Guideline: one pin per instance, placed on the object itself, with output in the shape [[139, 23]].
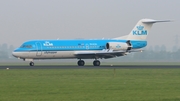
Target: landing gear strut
[[31, 63], [96, 63], [80, 63]]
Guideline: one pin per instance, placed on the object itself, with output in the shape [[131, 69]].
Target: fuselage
[[61, 49]]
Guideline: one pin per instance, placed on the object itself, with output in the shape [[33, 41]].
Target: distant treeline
[[154, 56], [6, 51]]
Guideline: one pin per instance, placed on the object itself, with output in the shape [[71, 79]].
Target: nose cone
[[14, 54]]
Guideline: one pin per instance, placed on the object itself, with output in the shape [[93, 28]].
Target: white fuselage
[[47, 54]]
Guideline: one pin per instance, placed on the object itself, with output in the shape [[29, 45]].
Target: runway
[[90, 67]]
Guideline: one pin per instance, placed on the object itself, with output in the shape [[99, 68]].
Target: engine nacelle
[[116, 46]]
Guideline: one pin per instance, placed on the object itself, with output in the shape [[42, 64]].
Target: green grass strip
[[90, 85]]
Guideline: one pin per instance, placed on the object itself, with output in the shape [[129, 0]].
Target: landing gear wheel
[[31, 63], [96, 63], [80, 63]]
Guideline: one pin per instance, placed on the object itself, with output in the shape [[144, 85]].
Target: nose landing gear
[[31, 63]]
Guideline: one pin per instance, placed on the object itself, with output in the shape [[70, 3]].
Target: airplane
[[87, 48]]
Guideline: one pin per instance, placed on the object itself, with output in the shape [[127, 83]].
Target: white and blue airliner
[[87, 49]]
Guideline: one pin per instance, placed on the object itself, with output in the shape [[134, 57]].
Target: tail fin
[[141, 30]]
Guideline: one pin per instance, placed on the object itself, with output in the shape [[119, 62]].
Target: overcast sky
[[22, 20]]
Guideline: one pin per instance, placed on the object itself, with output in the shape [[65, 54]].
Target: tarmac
[[90, 67]]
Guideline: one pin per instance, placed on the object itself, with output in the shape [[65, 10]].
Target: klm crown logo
[[48, 44], [140, 27], [140, 31]]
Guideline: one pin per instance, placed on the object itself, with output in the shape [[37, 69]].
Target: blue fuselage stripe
[[73, 45]]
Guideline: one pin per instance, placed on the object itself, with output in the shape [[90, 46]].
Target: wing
[[102, 54]]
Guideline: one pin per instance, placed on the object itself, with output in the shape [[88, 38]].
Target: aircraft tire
[[31, 63], [96, 63], [81, 63]]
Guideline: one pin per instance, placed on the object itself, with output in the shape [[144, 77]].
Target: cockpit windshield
[[26, 46]]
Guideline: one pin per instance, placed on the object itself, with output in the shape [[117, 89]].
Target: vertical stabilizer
[[141, 30]]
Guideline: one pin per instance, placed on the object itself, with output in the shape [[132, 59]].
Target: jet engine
[[116, 46]]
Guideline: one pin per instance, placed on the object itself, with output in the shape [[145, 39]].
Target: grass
[[90, 85]]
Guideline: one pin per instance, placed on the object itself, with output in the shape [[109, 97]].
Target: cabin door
[[39, 49]]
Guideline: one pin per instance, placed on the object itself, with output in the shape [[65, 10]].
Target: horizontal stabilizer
[[154, 21]]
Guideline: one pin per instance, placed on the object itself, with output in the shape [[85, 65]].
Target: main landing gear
[[31, 63], [95, 63], [80, 63]]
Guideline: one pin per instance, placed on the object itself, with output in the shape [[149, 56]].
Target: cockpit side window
[[26, 46]]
